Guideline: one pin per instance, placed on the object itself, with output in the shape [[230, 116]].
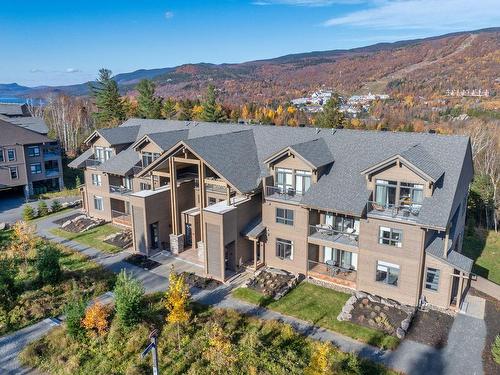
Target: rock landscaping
[[380, 313], [81, 223], [273, 283], [142, 261], [121, 239], [199, 282]]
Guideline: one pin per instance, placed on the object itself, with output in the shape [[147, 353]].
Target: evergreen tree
[[148, 105], [128, 298], [169, 111], [110, 107], [212, 111], [186, 112], [331, 117]]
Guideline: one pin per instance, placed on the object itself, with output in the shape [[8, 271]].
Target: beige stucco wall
[[402, 174], [19, 163], [442, 296], [102, 191], [409, 258]]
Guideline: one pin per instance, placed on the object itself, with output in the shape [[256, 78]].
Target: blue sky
[[64, 42]]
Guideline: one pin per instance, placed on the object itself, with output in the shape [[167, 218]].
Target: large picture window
[[148, 158], [33, 151], [284, 179], [385, 192], [98, 203], [391, 237], [302, 181], [387, 273], [284, 216], [432, 279], [284, 249], [411, 194], [36, 168]]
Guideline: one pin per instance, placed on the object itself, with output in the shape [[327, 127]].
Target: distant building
[[29, 160], [466, 93]]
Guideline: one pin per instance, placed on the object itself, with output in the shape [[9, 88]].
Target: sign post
[[152, 347]]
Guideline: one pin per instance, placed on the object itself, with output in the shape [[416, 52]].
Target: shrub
[[8, 290], [75, 312], [128, 298], [495, 349], [96, 319], [47, 263], [28, 213], [55, 206], [42, 208]]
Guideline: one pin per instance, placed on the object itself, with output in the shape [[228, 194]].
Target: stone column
[[176, 243]]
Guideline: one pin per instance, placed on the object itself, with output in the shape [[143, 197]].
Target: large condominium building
[[380, 212], [29, 160]]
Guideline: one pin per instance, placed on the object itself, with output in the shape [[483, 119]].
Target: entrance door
[[328, 254], [188, 234], [154, 235], [454, 291]]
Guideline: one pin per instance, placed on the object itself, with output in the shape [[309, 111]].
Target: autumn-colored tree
[[245, 113], [24, 243], [320, 360], [220, 352], [197, 112], [96, 319], [177, 302], [169, 109]]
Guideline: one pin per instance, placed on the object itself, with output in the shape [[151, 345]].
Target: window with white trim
[[96, 179], [33, 151], [284, 216], [36, 168], [284, 249], [390, 236], [302, 181], [11, 154], [14, 175], [387, 273], [144, 186], [98, 203], [432, 279]]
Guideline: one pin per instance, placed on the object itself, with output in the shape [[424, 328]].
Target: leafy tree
[[47, 264], [110, 106], [75, 312], [212, 111], [177, 301], [24, 241], [220, 352], [320, 364], [128, 298], [28, 213], [55, 206], [42, 208], [331, 117], [169, 109], [148, 105], [495, 349], [96, 319], [78, 181]]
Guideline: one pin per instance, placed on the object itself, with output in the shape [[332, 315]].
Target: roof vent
[[333, 131], [317, 130]]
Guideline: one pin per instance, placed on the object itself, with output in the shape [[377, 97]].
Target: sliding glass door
[[385, 192]]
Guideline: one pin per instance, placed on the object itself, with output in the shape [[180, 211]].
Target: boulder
[[374, 298], [382, 314], [352, 300], [365, 301], [400, 333], [4, 226], [360, 295], [64, 205], [347, 308], [344, 316], [405, 324], [377, 308]]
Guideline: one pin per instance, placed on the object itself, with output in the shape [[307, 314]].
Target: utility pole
[[152, 347]]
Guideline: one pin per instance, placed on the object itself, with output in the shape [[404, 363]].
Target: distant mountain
[[423, 66]]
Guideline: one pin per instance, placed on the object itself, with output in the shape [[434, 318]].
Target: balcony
[[49, 154], [121, 190], [333, 273], [404, 211], [92, 163], [121, 218], [214, 188], [324, 232], [284, 194], [52, 172]]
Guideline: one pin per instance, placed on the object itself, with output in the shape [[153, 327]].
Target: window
[[385, 192], [1, 155], [33, 151], [284, 179], [98, 203], [389, 236], [153, 231], [411, 194], [340, 258], [96, 179], [148, 158], [211, 200], [284, 249], [11, 154], [13, 173], [432, 279], [108, 152], [284, 216], [144, 186], [36, 168], [302, 181], [387, 273], [102, 154]]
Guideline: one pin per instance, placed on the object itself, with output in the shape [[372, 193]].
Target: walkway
[[462, 355]]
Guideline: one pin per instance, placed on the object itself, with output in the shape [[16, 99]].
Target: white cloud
[[72, 70], [169, 15], [36, 70], [306, 3], [423, 14]]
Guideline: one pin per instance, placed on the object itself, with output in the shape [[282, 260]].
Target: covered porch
[[332, 265]]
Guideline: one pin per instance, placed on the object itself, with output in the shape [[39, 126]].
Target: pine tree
[[212, 111], [148, 105], [110, 107], [331, 117], [169, 109], [128, 298], [186, 110], [177, 301]]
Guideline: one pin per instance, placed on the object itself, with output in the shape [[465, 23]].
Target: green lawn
[[93, 237], [320, 306], [37, 219], [484, 246], [5, 236]]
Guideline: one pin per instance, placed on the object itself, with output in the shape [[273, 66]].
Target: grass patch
[[319, 306], [484, 246], [5, 237], [215, 341], [59, 194], [93, 237]]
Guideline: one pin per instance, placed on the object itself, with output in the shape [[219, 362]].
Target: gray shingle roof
[[13, 109], [166, 140], [316, 152], [35, 124], [453, 258], [122, 163], [12, 134], [254, 228], [79, 161], [119, 136], [421, 159]]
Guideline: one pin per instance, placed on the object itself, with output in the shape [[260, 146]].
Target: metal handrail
[[407, 210], [330, 269], [284, 193], [327, 231], [91, 162], [119, 189]]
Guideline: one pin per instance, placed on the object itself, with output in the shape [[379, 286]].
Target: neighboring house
[[373, 211], [29, 160]]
